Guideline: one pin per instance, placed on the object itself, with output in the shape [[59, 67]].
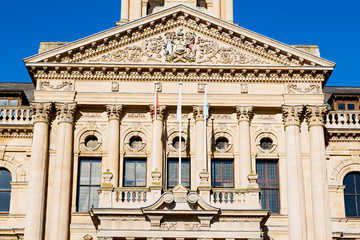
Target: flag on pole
[[206, 116], [179, 120], [156, 105], [206, 105], [178, 112]]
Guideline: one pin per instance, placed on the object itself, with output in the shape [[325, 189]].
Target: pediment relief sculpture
[[180, 46]]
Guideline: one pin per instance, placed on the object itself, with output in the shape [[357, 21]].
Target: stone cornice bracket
[[198, 111], [315, 115], [245, 113], [41, 111], [65, 111], [292, 114], [114, 111], [161, 111]]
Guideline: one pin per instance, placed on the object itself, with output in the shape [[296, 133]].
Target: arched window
[[352, 194], [5, 190]]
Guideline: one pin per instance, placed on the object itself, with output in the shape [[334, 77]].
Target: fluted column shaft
[[159, 138], [124, 11], [245, 114], [199, 144], [294, 172], [114, 113], [35, 212], [60, 214], [319, 182]]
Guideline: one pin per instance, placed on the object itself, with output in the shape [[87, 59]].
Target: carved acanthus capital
[[114, 111], [198, 111], [245, 113], [65, 111], [160, 113], [41, 111], [292, 114], [315, 115]]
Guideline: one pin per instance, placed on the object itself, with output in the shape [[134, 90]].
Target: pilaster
[[198, 112]]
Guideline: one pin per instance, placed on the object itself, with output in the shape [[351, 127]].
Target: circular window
[[266, 143], [222, 143], [175, 143], [135, 142], [91, 142]]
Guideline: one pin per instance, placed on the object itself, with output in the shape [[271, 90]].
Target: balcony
[[16, 115], [343, 119]]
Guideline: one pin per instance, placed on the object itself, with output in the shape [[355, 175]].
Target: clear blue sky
[[331, 24]]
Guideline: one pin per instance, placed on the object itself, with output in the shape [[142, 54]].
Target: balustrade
[[232, 198], [343, 119], [124, 197], [15, 115]]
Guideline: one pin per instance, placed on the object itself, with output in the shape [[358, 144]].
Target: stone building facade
[[85, 157]]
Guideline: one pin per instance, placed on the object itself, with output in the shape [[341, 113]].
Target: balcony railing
[[124, 198], [343, 119], [15, 115], [235, 199]]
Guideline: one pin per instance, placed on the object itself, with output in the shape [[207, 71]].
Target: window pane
[[185, 173], [5, 179], [129, 173], [274, 200], [172, 173], [14, 102], [350, 207], [95, 172], [263, 199], [341, 106], [5, 201], [357, 182], [351, 106], [358, 205], [140, 173], [3, 102], [272, 170], [260, 170], [83, 199], [84, 172], [228, 170], [94, 197], [349, 184]]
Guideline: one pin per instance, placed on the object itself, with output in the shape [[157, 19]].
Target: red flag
[[156, 106]]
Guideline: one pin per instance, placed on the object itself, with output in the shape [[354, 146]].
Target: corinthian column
[[294, 172], [319, 182], [114, 112], [199, 146], [35, 211], [60, 214], [244, 114], [158, 125]]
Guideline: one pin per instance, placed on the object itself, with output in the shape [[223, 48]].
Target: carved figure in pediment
[[180, 46], [152, 48], [169, 45]]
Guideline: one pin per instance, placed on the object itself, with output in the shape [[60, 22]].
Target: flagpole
[[155, 116], [180, 142], [205, 113]]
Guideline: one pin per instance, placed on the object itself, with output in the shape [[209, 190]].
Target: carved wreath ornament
[[179, 47]]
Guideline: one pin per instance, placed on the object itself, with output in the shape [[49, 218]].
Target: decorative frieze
[[244, 113], [292, 114], [65, 111], [313, 88], [114, 111], [315, 115], [41, 111], [64, 85]]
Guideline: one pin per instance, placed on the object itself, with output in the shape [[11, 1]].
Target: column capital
[[160, 112], [41, 111], [114, 111], [65, 111], [198, 111], [245, 113], [292, 114], [315, 114]]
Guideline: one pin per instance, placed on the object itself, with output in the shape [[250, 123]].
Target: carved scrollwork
[[168, 226], [65, 111], [293, 88], [292, 114]]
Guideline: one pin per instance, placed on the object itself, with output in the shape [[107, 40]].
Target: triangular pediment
[[179, 35]]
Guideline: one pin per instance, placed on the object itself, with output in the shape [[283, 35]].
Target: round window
[[175, 143], [91, 142], [222, 143], [266, 143], [135, 142]]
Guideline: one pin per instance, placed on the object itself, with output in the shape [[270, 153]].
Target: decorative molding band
[[16, 133]]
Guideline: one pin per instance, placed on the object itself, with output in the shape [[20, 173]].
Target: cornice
[[174, 17]]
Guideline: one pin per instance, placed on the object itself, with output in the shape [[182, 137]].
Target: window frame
[[177, 169], [266, 182], [213, 181], [91, 159], [356, 195], [124, 171], [8, 99], [6, 190]]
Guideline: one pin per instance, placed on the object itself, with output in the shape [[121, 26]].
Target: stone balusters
[[60, 209], [245, 114], [34, 223], [114, 113], [319, 183], [294, 172]]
